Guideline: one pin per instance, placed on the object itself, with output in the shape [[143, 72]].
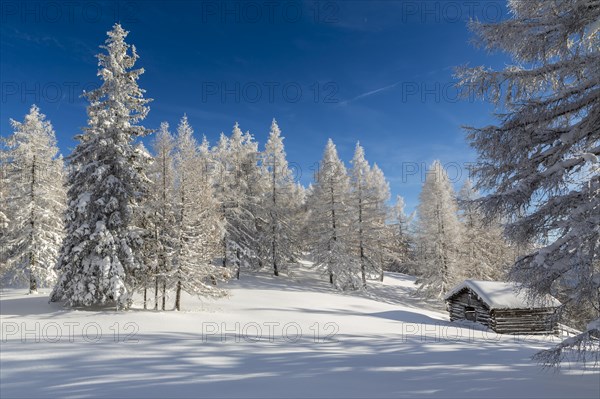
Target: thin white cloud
[[379, 90], [372, 92]]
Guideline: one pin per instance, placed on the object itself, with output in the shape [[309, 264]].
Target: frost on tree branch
[[540, 162], [584, 348]]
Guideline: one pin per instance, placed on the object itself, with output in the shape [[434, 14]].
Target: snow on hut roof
[[502, 295]]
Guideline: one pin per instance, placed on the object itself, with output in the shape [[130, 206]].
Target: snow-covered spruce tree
[[199, 224], [439, 233], [37, 198], [161, 205], [541, 160], [102, 248], [368, 194], [277, 200], [329, 221], [485, 253]]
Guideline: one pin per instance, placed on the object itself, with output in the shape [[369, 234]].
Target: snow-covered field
[[274, 337]]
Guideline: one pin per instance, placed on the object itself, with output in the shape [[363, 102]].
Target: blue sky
[[375, 71]]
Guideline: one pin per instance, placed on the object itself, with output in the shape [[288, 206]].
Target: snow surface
[[502, 295], [383, 343]]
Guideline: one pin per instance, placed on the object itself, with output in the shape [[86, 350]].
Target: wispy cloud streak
[[370, 93]]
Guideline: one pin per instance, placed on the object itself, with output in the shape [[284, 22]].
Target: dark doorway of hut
[[470, 313]]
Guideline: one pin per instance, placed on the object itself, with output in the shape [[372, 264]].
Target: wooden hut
[[503, 307]]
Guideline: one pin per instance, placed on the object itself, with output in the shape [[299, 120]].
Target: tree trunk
[[363, 267], [225, 235], [334, 229], [381, 260], [156, 292], [443, 252], [159, 238], [224, 252], [275, 269], [32, 260], [183, 208], [164, 294], [178, 297], [239, 263], [32, 283]]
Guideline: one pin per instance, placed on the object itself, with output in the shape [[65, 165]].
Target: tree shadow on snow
[[19, 305], [192, 365]]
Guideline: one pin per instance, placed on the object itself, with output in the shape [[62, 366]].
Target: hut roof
[[502, 295]]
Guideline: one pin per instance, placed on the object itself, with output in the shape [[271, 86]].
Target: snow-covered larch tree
[[144, 221], [400, 242], [238, 176], [161, 204], [37, 198], [221, 177], [485, 253], [298, 214], [359, 202], [378, 212], [541, 160], [102, 248], [439, 233], [278, 231], [198, 223], [4, 208], [329, 222], [257, 183], [368, 194]]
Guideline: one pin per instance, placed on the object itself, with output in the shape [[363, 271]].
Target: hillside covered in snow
[[273, 337]]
